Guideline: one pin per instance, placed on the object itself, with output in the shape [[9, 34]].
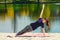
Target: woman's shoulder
[[40, 20]]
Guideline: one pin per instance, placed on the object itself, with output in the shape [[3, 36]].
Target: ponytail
[[47, 23]]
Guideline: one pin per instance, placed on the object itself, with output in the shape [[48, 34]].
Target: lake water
[[7, 25]]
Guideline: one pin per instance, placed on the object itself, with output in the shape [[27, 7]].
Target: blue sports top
[[37, 24]]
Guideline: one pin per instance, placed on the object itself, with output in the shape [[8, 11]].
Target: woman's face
[[43, 20]]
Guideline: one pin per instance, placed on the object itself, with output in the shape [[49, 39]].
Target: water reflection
[[55, 27]]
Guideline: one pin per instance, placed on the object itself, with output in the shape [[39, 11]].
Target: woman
[[35, 25]]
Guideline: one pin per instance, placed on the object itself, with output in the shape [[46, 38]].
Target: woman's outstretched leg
[[26, 29]]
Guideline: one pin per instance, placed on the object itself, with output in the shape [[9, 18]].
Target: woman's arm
[[43, 31], [42, 11]]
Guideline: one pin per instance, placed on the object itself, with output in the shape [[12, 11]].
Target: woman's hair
[[47, 22]]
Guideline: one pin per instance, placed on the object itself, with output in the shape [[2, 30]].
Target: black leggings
[[28, 28]]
